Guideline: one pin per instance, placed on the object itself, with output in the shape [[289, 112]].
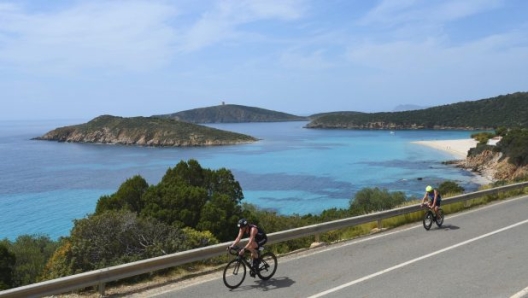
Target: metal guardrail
[[102, 276]]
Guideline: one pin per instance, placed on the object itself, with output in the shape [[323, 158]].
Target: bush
[[450, 187], [374, 199]]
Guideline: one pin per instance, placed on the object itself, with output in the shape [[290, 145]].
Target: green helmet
[[429, 188]]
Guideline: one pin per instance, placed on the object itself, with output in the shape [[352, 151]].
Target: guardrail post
[[101, 289], [380, 224]]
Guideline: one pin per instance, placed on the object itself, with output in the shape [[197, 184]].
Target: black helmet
[[242, 223]]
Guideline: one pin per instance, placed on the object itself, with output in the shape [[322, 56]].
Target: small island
[[144, 131]]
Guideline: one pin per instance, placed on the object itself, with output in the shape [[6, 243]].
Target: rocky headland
[[493, 166]]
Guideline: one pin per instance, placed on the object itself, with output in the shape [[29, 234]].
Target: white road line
[[522, 293], [417, 259], [396, 230]]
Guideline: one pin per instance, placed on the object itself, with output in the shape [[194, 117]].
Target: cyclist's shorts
[[438, 202], [262, 241]]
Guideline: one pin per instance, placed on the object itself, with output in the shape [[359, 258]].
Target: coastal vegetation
[[144, 131], [486, 114], [230, 113], [190, 207], [193, 207]]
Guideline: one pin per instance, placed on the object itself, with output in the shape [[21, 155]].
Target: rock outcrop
[[493, 166]]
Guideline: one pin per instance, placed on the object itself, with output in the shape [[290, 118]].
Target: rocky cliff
[[493, 166]]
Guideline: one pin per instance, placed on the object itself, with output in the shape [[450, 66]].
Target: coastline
[[459, 150]]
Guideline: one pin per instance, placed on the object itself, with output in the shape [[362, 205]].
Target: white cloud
[[400, 12], [222, 21], [114, 36]]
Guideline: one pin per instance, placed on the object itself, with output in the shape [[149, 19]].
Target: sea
[[45, 185]]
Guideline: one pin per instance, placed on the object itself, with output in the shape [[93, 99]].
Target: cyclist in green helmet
[[432, 195]]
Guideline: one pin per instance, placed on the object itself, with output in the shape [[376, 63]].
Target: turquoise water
[[45, 185]]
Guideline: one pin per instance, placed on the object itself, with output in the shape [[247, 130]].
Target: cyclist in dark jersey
[[432, 195], [257, 238]]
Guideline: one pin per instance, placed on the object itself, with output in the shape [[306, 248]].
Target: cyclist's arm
[[424, 198], [238, 238]]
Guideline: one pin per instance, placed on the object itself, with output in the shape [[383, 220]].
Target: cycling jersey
[[260, 237], [438, 198]]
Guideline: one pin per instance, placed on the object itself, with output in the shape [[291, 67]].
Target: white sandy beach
[[457, 148]]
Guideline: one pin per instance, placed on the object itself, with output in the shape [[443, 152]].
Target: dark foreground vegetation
[[190, 207]]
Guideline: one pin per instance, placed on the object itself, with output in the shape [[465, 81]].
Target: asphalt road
[[478, 253]]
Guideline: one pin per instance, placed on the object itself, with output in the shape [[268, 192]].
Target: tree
[[128, 197], [178, 205], [219, 216], [514, 145], [187, 196], [374, 199], [32, 252], [191, 196], [7, 265]]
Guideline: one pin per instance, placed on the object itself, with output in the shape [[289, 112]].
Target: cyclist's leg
[[259, 244], [253, 250]]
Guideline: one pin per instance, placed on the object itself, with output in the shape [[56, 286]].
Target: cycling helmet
[[242, 223], [429, 188]]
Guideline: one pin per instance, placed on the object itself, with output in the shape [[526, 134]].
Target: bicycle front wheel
[[428, 220], [267, 266], [234, 274]]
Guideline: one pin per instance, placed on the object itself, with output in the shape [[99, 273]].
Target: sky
[[81, 59]]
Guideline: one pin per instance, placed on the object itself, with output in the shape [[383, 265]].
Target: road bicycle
[[430, 216], [235, 270]]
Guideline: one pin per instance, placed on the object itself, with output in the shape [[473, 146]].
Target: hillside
[[144, 131], [502, 111], [230, 113]]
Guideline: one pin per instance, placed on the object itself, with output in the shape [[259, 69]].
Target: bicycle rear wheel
[[428, 220], [267, 266], [439, 217], [234, 274]]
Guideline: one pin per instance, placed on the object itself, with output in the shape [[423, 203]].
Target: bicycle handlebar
[[233, 250]]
